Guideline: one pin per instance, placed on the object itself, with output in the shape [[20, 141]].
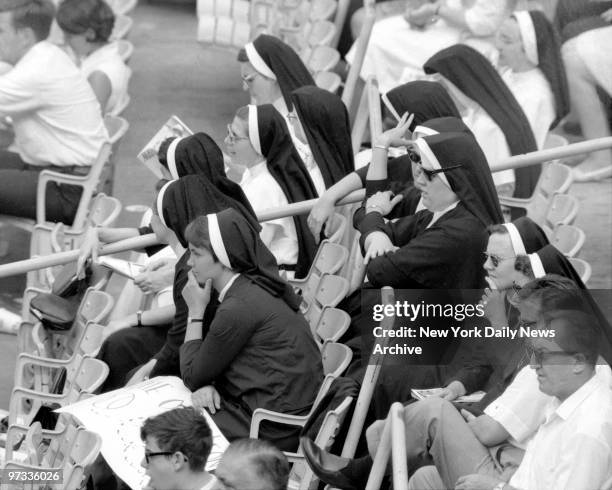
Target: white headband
[[515, 239], [254, 129], [257, 61], [536, 266], [160, 202], [426, 152], [424, 130], [389, 105], [528, 35], [171, 157], [216, 240]]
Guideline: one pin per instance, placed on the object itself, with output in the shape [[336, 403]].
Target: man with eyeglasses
[[177, 445], [437, 433]]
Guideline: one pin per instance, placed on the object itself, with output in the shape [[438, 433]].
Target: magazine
[[471, 398], [173, 127]]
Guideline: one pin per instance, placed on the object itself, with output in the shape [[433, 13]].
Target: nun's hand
[[377, 245], [493, 301], [419, 17], [156, 276], [397, 136], [321, 214], [89, 249], [196, 297], [208, 398], [382, 202]]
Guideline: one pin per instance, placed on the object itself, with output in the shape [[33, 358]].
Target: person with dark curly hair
[[87, 27]]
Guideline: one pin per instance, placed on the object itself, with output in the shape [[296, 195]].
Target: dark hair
[[492, 229], [554, 292], [77, 16], [181, 429], [522, 264], [36, 15], [576, 332], [242, 56], [197, 234], [269, 463]]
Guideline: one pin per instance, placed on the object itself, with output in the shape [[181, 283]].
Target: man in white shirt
[[55, 115]]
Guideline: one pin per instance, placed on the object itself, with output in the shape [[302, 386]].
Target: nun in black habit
[[258, 351], [177, 204], [269, 136], [325, 122], [476, 78], [195, 154], [281, 68]]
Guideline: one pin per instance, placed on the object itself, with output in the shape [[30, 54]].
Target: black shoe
[[327, 466]]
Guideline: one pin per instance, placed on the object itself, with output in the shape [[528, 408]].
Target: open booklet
[[471, 398], [173, 127], [123, 267]]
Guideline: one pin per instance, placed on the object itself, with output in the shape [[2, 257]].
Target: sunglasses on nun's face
[[430, 174]]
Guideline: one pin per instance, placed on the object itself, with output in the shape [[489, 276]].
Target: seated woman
[[398, 178], [275, 176], [320, 124], [270, 71], [510, 112], [400, 45], [151, 344], [87, 26], [258, 351]]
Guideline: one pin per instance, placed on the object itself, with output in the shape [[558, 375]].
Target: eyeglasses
[[496, 259], [231, 136], [148, 455], [538, 357], [413, 155], [248, 79]]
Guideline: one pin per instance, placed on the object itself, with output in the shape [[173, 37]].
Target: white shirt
[[520, 408], [107, 60], [56, 116], [572, 449], [229, 283], [263, 192]]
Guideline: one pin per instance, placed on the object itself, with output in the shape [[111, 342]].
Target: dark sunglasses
[[148, 455], [539, 357]]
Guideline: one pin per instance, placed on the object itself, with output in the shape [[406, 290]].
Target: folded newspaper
[[173, 127], [120, 266], [471, 398]]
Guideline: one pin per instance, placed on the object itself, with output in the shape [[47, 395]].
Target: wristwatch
[[139, 318]]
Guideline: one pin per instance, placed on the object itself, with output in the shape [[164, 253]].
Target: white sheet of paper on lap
[[173, 127], [471, 398], [118, 415]]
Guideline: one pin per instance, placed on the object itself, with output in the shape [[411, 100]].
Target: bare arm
[[102, 87]]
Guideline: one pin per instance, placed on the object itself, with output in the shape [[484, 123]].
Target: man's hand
[[197, 298], [382, 202], [143, 373], [454, 390], [378, 244], [476, 482], [321, 214], [156, 276], [208, 398], [419, 17], [607, 15]]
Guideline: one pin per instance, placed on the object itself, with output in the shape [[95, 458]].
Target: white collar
[[254, 171], [438, 214], [223, 292], [565, 409]]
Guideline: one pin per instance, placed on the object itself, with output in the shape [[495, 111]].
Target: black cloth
[[290, 71], [573, 17], [19, 187], [258, 353], [551, 63], [195, 195], [288, 169], [476, 77], [532, 236], [554, 262], [195, 154], [326, 123], [426, 100], [250, 257]]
